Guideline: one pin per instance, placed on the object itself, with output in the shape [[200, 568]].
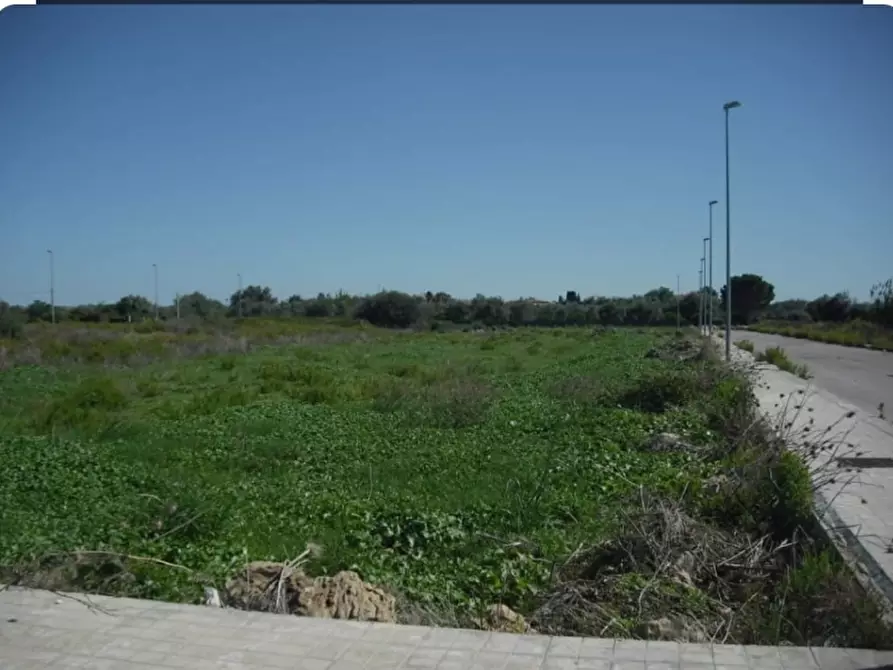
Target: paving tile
[[598, 648], [630, 650], [797, 658], [763, 657], [562, 663], [663, 652], [502, 642], [524, 662], [489, 660], [536, 645], [729, 655], [628, 665], [470, 639], [564, 647], [660, 665], [425, 658]]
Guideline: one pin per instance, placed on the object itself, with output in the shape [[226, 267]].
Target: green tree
[[200, 306], [882, 303], [751, 294], [255, 301], [834, 308], [39, 311], [390, 309], [133, 307]]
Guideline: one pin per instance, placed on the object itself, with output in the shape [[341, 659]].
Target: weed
[[776, 356], [456, 469], [745, 345]]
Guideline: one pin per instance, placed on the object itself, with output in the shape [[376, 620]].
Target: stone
[[270, 586], [346, 596], [503, 619]]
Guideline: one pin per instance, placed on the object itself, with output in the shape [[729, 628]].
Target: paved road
[[862, 377]]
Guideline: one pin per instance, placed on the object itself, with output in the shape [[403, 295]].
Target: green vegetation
[[835, 319], [745, 345], [457, 469], [779, 358], [851, 333]]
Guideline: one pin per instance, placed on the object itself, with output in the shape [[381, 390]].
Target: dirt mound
[[278, 587]]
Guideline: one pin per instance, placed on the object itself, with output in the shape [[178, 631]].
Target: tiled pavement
[[40, 629]]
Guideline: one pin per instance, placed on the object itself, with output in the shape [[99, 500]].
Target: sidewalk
[[857, 508], [39, 629]]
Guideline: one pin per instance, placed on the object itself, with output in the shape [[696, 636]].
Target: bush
[[11, 323], [391, 309]]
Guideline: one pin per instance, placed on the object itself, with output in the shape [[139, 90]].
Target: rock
[[255, 587], [212, 597], [658, 629], [503, 619], [346, 596], [684, 568], [343, 596], [670, 630]]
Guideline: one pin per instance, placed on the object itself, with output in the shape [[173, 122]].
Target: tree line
[[752, 300]]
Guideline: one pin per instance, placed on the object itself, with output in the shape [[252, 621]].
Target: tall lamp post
[[704, 293], [726, 107], [52, 287], [701, 294], [710, 273], [155, 271]]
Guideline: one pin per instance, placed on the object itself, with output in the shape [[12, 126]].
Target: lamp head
[[731, 105], [713, 202]]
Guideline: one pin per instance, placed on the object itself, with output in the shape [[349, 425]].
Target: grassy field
[[456, 469], [850, 334]]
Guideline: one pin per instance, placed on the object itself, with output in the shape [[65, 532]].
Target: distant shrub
[[390, 309]]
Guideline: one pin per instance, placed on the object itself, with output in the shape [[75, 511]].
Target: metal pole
[[52, 287], [710, 271], [155, 269], [239, 275], [701, 294], [178, 307], [704, 286], [726, 107]]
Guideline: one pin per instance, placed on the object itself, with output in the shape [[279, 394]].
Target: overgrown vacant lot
[[458, 470]]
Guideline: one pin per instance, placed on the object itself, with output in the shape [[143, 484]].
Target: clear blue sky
[[511, 150]]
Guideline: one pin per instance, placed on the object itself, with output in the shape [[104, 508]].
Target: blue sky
[[511, 150]]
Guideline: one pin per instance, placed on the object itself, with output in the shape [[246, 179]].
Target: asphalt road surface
[[862, 377]]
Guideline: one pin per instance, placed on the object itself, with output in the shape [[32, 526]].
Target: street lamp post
[[701, 294], [239, 275], [704, 286], [710, 272], [155, 270], [52, 287], [726, 107]]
